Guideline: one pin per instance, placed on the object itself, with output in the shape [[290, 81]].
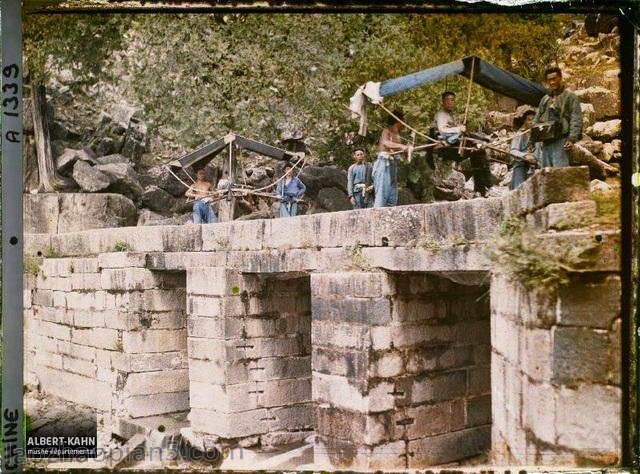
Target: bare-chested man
[[202, 191], [385, 169]]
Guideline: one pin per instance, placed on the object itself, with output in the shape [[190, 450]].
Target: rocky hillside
[[102, 143], [589, 59]]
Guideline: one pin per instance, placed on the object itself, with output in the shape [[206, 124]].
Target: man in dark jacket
[[563, 107]]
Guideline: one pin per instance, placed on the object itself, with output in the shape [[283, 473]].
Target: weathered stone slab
[[305, 228], [359, 428], [580, 354], [338, 229], [273, 261], [372, 311], [162, 381], [128, 279], [332, 453], [566, 215], [344, 393], [472, 220], [548, 186], [360, 284], [122, 260], [184, 260], [37, 244], [225, 236], [579, 418], [157, 404], [590, 300], [464, 257], [448, 447], [41, 213], [213, 282], [154, 340], [76, 388]]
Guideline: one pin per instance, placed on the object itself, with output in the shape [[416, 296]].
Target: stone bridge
[[386, 332]]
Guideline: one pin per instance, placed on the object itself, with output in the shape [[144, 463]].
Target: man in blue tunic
[[290, 189], [562, 108], [385, 169], [526, 153], [359, 185]]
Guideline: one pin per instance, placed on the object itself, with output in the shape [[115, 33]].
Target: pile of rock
[[108, 158]]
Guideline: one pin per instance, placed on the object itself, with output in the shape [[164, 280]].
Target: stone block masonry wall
[[556, 372], [401, 372], [107, 333], [556, 351], [249, 358], [400, 359]]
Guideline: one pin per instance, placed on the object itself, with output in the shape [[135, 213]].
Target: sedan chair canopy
[[480, 71]]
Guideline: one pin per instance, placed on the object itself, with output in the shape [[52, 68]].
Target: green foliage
[[201, 76], [121, 246], [354, 252], [519, 253], [607, 208], [52, 254], [80, 43], [32, 265]]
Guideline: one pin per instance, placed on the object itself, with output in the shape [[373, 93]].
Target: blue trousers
[[520, 173], [358, 197], [450, 138], [554, 155], [385, 181], [203, 213], [288, 209]]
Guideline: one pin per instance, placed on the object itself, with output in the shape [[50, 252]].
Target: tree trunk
[[50, 181]]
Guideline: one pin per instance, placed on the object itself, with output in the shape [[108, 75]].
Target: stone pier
[[390, 334], [249, 345], [401, 372]]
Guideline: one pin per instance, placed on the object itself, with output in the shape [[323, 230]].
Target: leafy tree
[[200, 76]]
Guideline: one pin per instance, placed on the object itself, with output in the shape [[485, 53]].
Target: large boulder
[[448, 187], [588, 115], [114, 158], [606, 104], [71, 212], [333, 199], [161, 177], [89, 178], [107, 146], [124, 180], [605, 131], [317, 177], [610, 152], [135, 140], [95, 211], [158, 199], [66, 161]]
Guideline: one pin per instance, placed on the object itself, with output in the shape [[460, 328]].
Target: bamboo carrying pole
[[466, 109]]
